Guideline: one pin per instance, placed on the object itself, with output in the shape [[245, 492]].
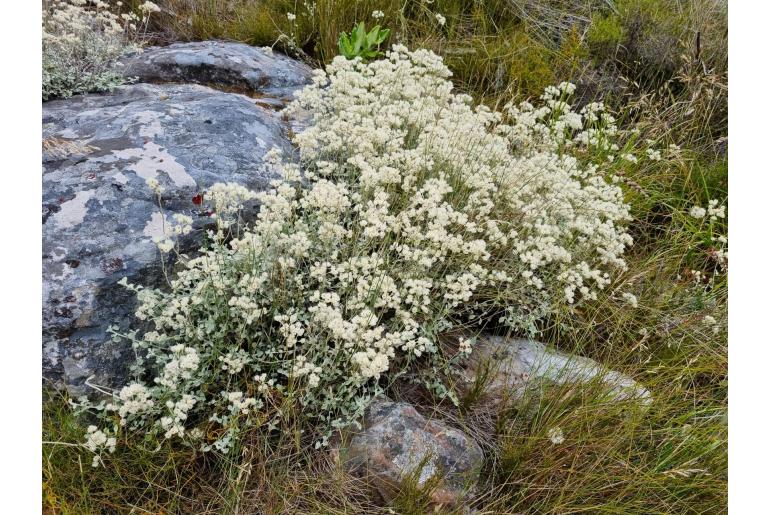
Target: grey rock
[[220, 64], [511, 366], [99, 217], [396, 441]]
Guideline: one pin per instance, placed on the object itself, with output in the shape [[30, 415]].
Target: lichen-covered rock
[[508, 367], [397, 442], [100, 218], [219, 64]]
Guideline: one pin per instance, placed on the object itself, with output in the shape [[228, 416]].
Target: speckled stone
[[220, 64], [515, 365], [99, 217], [396, 441]]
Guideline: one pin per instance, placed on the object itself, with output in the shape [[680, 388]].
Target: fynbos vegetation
[[532, 169]]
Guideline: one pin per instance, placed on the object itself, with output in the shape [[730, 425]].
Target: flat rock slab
[[220, 64], [510, 366], [398, 442], [100, 218]]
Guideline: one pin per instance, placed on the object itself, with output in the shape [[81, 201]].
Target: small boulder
[[397, 442], [509, 367], [220, 64]]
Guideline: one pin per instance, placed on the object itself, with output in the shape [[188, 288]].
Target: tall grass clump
[[496, 49], [646, 39], [569, 451], [429, 214], [177, 478], [81, 41]]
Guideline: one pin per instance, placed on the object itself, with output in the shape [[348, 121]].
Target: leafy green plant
[[362, 44]]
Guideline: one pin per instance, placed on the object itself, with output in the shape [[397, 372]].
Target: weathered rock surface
[[510, 366], [99, 217], [220, 64], [396, 442]]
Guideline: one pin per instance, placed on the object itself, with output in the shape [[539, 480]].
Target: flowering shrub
[[81, 40], [409, 213]]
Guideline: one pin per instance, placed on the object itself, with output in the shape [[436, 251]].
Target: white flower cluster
[[227, 201], [177, 226], [234, 361], [302, 367], [173, 423], [82, 39], [134, 400], [239, 403], [653, 154], [155, 186], [715, 211], [414, 212], [184, 362], [556, 435], [697, 212], [465, 347], [149, 7], [712, 322], [631, 299], [97, 441]]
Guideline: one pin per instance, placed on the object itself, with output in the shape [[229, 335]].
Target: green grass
[[496, 48], [136, 476], [278, 472], [616, 458]]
